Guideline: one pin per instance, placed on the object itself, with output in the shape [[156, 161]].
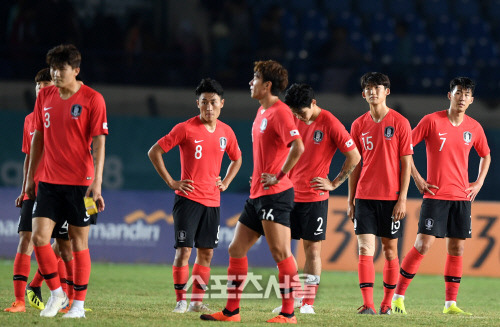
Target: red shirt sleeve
[[26, 134], [232, 149], [481, 144], [175, 137], [421, 131], [286, 128], [354, 133], [341, 137], [38, 112], [99, 122], [405, 145]]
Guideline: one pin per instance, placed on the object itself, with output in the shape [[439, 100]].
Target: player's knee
[[25, 245], [204, 257], [39, 240], [366, 249], [313, 250], [456, 249], [422, 246], [279, 254]]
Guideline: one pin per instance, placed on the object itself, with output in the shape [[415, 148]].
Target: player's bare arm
[[352, 159], [155, 155], [98, 154], [232, 170], [353, 183], [399, 211], [475, 187], [420, 182], [19, 200], [35, 156], [296, 150]]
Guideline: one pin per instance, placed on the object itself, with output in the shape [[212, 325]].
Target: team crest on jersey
[[76, 110], [318, 136], [429, 223], [389, 132], [467, 137], [263, 125], [222, 143]]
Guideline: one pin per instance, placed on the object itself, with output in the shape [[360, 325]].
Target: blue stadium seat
[[465, 9], [453, 51], [434, 8], [399, 8], [368, 8], [336, 8]]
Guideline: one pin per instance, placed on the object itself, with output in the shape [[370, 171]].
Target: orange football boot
[[280, 319], [220, 316], [17, 306]]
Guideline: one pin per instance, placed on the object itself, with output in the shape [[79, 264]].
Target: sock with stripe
[[81, 273], [61, 269], [286, 276], [181, 276], [69, 279], [366, 275], [201, 278], [22, 265], [236, 275], [390, 277], [452, 276], [47, 264], [37, 279], [311, 285], [409, 268]]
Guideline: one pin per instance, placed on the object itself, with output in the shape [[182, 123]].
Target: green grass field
[[143, 295]]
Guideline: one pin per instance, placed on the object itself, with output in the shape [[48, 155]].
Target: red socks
[[61, 268], [22, 265], [236, 275], [287, 275], [181, 276], [452, 276], [81, 273], [201, 277], [366, 275], [37, 279], [409, 268], [69, 279], [390, 276], [47, 264]]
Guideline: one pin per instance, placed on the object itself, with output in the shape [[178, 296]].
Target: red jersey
[[201, 154], [28, 131], [68, 127], [272, 132], [381, 146], [447, 149], [321, 139]]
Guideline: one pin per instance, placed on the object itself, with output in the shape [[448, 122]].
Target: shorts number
[[268, 216], [444, 140], [197, 153], [395, 226], [65, 226], [47, 120], [319, 230], [368, 144]]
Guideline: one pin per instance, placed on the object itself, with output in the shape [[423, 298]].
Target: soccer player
[[277, 146], [70, 130], [322, 133], [446, 208], [202, 141], [378, 189], [22, 262]]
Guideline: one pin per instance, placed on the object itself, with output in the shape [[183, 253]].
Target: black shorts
[[308, 220], [443, 218], [274, 207], [375, 217], [195, 224], [61, 203], [25, 222]]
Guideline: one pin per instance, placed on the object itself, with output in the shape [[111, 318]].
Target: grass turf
[[143, 295]]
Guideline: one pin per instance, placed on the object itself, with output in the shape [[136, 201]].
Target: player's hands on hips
[[399, 211], [319, 183], [19, 200], [94, 190], [184, 186], [473, 190], [423, 186], [268, 180], [221, 186], [30, 189]]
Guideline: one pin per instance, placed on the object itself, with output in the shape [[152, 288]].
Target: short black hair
[[299, 96], [43, 76], [208, 85], [465, 82], [375, 78], [64, 54]]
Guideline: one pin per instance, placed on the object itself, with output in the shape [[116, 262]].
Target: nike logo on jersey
[[363, 134], [47, 108], [198, 141], [31, 133], [441, 134]]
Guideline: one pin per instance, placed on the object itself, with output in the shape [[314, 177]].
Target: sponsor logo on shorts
[[222, 143], [88, 217], [429, 223], [389, 132], [318, 136], [76, 110]]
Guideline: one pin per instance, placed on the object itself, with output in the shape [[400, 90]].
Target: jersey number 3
[[47, 120]]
